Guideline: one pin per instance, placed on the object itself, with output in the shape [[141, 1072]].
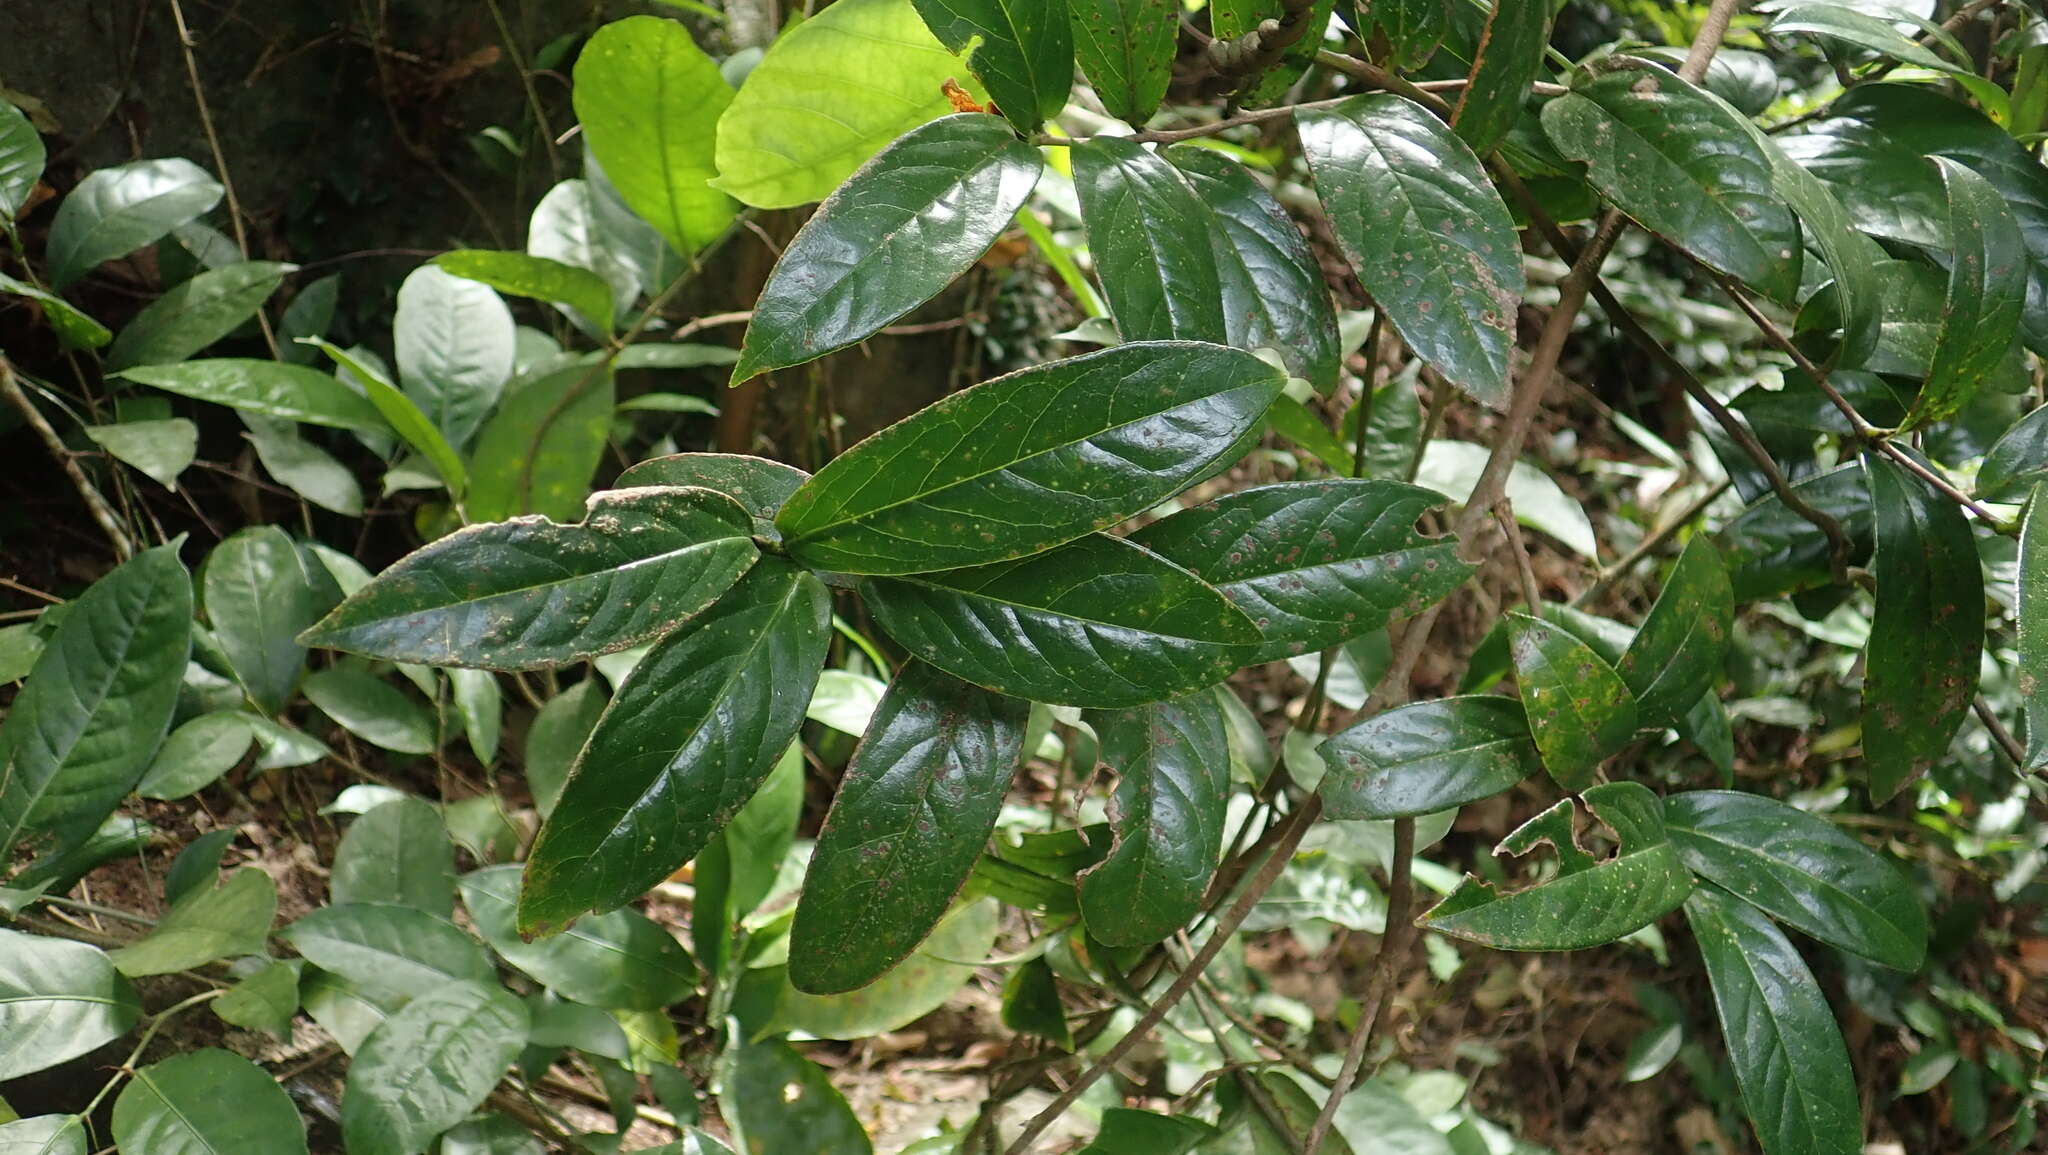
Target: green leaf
[[557, 735], [490, 1135], [1453, 468], [373, 709], [915, 987], [1797, 1087], [1685, 166], [649, 101], [914, 808], [481, 706], [1031, 1004], [454, 345], [308, 470], [777, 1100], [1273, 291], [265, 1001], [1580, 710], [1298, 423], [425, 1068], [58, 1000], [1426, 232], [397, 852], [310, 314], [538, 278], [160, 449], [21, 159], [195, 755], [196, 313], [197, 865], [566, 227], [2031, 614], [407, 419], [873, 63], [537, 452], [1676, 656], [1314, 564], [1028, 461], [1802, 870], [98, 701], [204, 1102], [1126, 1131], [1150, 235], [1772, 551], [1588, 903], [115, 211], [1231, 19], [1023, 51], [758, 484], [390, 951], [1413, 29], [1099, 622], [1987, 291], [687, 741], [621, 961], [271, 388], [343, 1010], [226, 921], [2017, 461], [1172, 761], [1926, 633], [1426, 757], [42, 1134], [1509, 60], [528, 593], [1126, 49], [891, 238], [1840, 22], [260, 591], [74, 329]]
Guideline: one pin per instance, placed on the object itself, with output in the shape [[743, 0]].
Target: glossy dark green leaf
[[908, 991], [758, 484], [1031, 1004], [1871, 150], [1580, 710], [260, 590], [1802, 870], [197, 866], [1317, 563], [213, 923], [1797, 1086], [58, 1000], [115, 211], [1846, 23], [1588, 903], [913, 811], [1927, 632], [538, 278], [1429, 756], [2017, 461], [1025, 462], [1411, 29], [271, 388], [1126, 49], [537, 452], [429, 1065], [397, 852], [1771, 551], [1987, 290], [1510, 59], [1149, 233], [1273, 291], [687, 741], [621, 961], [893, 236], [1172, 761], [1676, 656], [1426, 232], [1684, 166], [22, 157], [529, 593], [205, 1102], [98, 701], [195, 314], [73, 327], [1023, 51], [389, 951], [649, 101], [2032, 616], [1100, 622], [777, 1100], [453, 339], [1831, 230]]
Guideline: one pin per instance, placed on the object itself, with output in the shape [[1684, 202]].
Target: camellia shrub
[[1086, 564]]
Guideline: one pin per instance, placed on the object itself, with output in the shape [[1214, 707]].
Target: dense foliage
[[1263, 576]]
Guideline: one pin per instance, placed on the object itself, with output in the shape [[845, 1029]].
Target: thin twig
[[540, 116], [96, 505], [1504, 516], [1379, 987], [2006, 742], [1651, 544]]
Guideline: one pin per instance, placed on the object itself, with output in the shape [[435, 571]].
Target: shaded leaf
[[21, 159], [390, 951], [220, 922], [407, 419], [373, 709], [2017, 461], [913, 810], [271, 388], [1427, 234], [915, 987], [74, 329], [265, 1001], [195, 755], [1099, 622], [260, 591], [687, 741], [557, 735], [777, 1100], [115, 211], [160, 449], [204, 1102], [1772, 551], [758, 484], [622, 960], [538, 451], [428, 1066], [1426, 757], [196, 313], [43, 1134], [397, 852]]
